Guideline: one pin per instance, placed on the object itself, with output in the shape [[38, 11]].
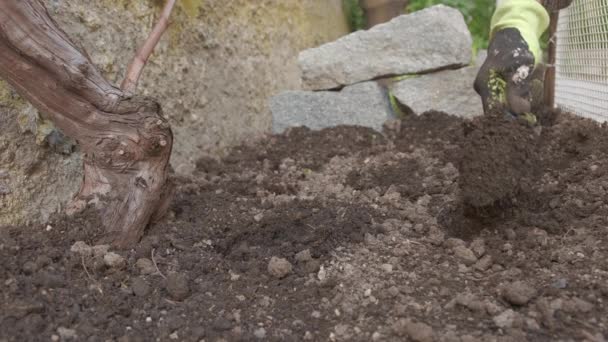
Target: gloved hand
[[514, 51], [504, 78]]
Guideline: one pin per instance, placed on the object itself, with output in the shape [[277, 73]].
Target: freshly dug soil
[[343, 235], [499, 158]]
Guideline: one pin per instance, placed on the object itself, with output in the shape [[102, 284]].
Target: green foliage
[[354, 14], [477, 14]]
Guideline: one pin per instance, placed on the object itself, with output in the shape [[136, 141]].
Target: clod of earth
[[518, 293], [279, 267], [178, 286], [499, 159]]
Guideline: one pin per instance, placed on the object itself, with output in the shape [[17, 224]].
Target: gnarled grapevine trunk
[[125, 140]]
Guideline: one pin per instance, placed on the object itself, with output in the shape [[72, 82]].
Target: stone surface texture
[[427, 40], [449, 91], [364, 104]]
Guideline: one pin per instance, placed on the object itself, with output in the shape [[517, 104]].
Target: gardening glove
[[504, 78]]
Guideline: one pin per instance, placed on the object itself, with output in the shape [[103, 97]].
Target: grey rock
[[363, 104], [481, 57], [279, 267], [449, 91], [426, 40], [518, 293]]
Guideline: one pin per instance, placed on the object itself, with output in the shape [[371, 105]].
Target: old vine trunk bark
[[125, 140]]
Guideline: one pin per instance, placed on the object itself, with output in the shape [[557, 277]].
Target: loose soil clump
[[499, 159], [344, 235]]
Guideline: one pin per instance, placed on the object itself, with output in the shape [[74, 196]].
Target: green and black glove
[[504, 78]]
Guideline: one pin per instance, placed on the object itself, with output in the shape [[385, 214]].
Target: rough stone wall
[[213, 72]]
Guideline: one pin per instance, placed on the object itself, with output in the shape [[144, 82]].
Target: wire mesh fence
[[581, 84]]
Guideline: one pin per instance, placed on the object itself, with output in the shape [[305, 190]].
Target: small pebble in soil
[[465, 255], [304, 256], [177, 286], [81, 248], [114, 260], [66, 334], [418, 332], [388, 268], [260, 333], [518, 293], [279, 267], [29, 267], [507, 319], [145, 266], [484, 263], [140, 287]]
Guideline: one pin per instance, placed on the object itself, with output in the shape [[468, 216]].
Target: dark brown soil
[[499, 160], [344, 235]]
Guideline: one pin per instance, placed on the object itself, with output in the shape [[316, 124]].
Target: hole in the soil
[[466, 222]]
